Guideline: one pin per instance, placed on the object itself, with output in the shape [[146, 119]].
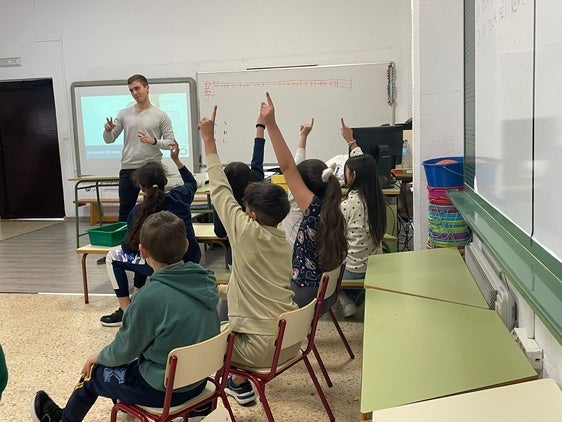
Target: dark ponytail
[[151, 179], [331, 241]]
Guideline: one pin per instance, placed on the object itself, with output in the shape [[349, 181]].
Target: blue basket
[[444, 175]]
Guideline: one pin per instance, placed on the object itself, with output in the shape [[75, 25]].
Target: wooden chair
[[220, 414], [185, 366], [294, 327], [327, 297]]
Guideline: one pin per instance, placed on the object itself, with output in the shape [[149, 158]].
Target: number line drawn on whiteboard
[[211, 86]]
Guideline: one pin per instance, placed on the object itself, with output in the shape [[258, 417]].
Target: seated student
[[258, 290], [177, 308], [364, 210], [239, 176], [152, 180], [320, 244], [3, 372], [292, 222]]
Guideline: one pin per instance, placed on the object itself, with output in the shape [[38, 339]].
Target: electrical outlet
[[529, 346]]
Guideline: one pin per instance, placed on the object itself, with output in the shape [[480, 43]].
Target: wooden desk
[[85, 251], [205, 233], [439, 274], [536, 401], [418, 349]]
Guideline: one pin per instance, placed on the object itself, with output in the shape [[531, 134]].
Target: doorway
[[30, 168]]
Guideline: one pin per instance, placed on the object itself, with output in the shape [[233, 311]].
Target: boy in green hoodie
[[177, 308]]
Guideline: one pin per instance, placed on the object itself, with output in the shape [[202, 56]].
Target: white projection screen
[[94, 101]]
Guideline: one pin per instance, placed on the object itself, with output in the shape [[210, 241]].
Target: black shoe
[[113, 320], [199, 413], [43, 409], [101, 261]]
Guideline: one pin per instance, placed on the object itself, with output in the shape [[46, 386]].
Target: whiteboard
[[548, 127], [356, 92], [504, 109]]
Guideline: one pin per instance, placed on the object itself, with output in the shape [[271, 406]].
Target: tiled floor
[[46, 339]]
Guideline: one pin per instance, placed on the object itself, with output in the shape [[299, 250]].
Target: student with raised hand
[[259, 287], [151, 179], [321, 244], [364, 210], [239, 176], [293, 220], [176, 309]]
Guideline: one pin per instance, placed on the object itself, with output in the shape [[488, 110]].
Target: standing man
[[147, 130]]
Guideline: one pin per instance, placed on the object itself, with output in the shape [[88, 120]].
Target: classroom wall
[[73, 41], [437, 93]]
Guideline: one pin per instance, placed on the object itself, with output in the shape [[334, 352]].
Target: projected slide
[[96, 109]]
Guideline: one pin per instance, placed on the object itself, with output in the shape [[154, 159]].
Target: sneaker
[[44, 409], [101, 261], [197, 415], [113, 320], [348, 308], [243, 393]]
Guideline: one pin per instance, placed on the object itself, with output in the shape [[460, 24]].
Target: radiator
[[489, 281]]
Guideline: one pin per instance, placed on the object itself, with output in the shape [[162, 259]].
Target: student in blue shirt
[[152, 180]]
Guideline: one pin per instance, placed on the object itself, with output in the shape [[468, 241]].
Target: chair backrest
[[334, 279], [198, 361], [220, 414], [298, 324]]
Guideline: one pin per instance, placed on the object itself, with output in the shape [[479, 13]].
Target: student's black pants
[[123, 383]]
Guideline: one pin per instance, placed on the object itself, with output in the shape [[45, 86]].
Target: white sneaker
[[348, 308]]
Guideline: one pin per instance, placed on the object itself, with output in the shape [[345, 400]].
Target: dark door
[[30, 169]]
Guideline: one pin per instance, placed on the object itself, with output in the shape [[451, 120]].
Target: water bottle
[[406, 155]]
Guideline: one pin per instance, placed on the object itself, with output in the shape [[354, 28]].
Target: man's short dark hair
[[269, 201], [136, 77], [163, 236]]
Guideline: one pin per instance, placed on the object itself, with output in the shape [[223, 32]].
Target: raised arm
[[347, 134], [303, 196], [228, 209], [304, 131], [259, 145], [207, 129]]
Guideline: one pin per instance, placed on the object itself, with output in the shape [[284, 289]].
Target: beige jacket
[[259, 287]]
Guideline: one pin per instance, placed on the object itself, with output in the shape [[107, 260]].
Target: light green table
[[417, 349], [439, 274], [536, 401]]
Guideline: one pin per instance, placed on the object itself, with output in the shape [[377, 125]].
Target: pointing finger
[[342, 123], [214, 113], [312, 123], [268, 99]]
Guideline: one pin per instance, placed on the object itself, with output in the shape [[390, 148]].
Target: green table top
[[417, 349], [433, 273]]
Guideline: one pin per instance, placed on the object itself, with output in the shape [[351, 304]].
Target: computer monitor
[[384, 144]]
